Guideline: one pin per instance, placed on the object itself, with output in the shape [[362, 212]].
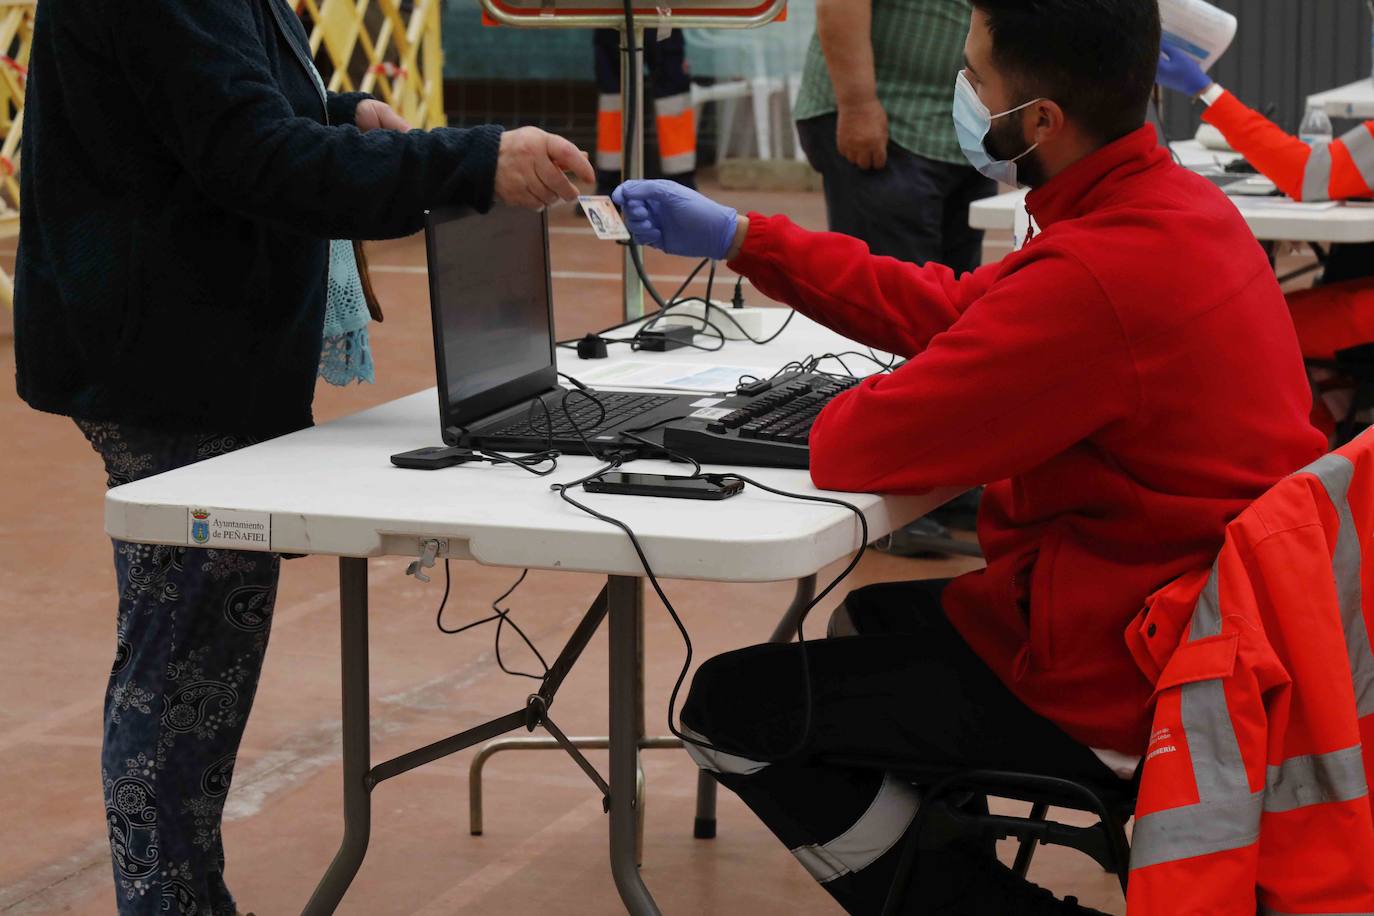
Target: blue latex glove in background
[[665, 215], [1179, 72]]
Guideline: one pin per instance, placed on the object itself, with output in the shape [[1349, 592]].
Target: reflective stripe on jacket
[[1335, 171], [1254, 790]]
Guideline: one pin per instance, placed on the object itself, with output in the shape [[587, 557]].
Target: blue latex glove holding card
[[1179, 71], [667, 216]]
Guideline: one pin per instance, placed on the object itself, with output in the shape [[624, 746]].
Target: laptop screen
[[493, 321]]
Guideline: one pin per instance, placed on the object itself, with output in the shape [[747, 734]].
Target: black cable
[[813, 362], [571, 344], [581, 436], [574, 382], [502, 615], [635, 437], [725, 313], [528, 463], [677, 296], [808, 699]]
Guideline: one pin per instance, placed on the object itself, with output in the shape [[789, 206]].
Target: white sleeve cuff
[[1211, 94]]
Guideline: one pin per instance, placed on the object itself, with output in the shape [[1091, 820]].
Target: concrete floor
[[545, 838]]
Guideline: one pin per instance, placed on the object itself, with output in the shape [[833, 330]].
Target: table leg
[[625, 599], [357, 751]]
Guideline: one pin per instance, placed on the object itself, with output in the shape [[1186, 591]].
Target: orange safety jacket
[[1253, 794], [1336, 171], [1327, 318]]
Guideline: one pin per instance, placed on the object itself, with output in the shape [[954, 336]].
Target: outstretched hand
[[665, 215], [530, 168]]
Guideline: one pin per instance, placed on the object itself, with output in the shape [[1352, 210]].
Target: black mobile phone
[[710, 486], [434, 457]]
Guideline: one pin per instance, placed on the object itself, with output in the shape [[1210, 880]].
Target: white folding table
[[331, 490], [1355, 101], [1270, 223]]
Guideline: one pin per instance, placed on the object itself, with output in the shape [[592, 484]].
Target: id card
[[604, 217]]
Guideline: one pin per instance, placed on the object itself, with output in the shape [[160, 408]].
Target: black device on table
[[768, 427], [708, 486], [491, 301]]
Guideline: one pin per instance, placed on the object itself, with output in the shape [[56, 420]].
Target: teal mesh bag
[[346, 356]]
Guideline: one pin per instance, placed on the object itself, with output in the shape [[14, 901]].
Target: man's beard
[[1005, 142]]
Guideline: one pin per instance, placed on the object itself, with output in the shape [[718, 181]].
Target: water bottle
[[1316, 127]]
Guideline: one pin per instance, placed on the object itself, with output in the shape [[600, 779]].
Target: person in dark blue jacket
[[183, 171]]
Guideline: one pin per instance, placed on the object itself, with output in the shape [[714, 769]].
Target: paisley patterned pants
[[191, 633]]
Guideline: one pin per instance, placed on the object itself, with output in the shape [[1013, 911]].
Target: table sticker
[[229, 528]]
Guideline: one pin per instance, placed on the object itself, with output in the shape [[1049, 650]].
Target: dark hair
[[1096, 58]]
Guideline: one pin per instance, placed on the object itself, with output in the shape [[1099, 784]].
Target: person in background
[[1338, 313], [184, 173], [674, 117], [1126, 384], [873, 115]]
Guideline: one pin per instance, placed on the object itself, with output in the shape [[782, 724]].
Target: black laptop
[[490, 294]]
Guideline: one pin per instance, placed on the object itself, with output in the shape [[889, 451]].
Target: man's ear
[[1047, 120]]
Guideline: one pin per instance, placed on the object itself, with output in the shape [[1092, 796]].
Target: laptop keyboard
[[580, 413]]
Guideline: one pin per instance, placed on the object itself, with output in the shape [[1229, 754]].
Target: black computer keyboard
[[580, 414], [769, 429]]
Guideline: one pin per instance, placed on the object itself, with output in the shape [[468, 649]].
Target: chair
[[757, 66], [942, 819]]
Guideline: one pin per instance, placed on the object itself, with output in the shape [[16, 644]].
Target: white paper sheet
[[672, 376], [1201, 29]]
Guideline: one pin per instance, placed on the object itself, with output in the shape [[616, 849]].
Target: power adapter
[[664, 339], [733, 323]]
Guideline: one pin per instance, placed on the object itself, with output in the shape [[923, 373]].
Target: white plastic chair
[[756, 65]]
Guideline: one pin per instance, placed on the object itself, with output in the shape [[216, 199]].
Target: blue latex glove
[[678, 220], [1179, 72]]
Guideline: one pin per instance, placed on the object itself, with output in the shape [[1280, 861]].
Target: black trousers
[[913, 208], [907, 686], [1349, 262]]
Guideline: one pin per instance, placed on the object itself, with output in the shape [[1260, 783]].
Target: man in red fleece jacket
[[1125, 385]]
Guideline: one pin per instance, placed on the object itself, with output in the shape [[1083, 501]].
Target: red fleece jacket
[[1125, 385]]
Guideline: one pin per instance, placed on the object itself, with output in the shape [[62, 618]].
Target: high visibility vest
[[1336, 171], [1253, 794], [674, 116]]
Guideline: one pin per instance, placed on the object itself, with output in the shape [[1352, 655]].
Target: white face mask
[[972, 121]]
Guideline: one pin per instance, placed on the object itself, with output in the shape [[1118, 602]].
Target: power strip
[[755, 322]]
